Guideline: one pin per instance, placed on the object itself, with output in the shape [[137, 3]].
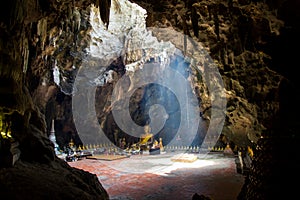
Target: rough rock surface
[[49, 181], [249, 40], [29, 166]]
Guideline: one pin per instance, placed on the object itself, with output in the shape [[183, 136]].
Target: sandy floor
[[157, 177]]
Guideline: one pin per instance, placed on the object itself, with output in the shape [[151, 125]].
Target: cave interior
[[67, 66]]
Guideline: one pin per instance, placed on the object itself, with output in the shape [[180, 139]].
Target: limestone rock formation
[[29, 39], [45, 43]]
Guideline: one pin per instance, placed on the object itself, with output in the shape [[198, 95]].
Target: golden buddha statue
[[144, 139], [71, 143]]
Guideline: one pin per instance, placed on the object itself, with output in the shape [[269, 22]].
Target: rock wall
[[29, 43], [43, 44]]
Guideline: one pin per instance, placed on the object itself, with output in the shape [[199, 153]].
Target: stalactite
[[217, 22], [42, 31], [104, 8], [194, 17], [186, 32], [25, 54], [76, 19]]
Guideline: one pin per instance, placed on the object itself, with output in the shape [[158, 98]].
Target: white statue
[[53, 138]]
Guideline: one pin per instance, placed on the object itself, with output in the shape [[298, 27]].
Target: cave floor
[[158, 177]]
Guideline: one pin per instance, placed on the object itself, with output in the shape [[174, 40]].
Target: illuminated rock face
[[241, 36], [135, 46], [239, 64]]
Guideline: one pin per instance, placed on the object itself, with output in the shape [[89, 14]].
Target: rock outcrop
[[29, 166], [44, 44]]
